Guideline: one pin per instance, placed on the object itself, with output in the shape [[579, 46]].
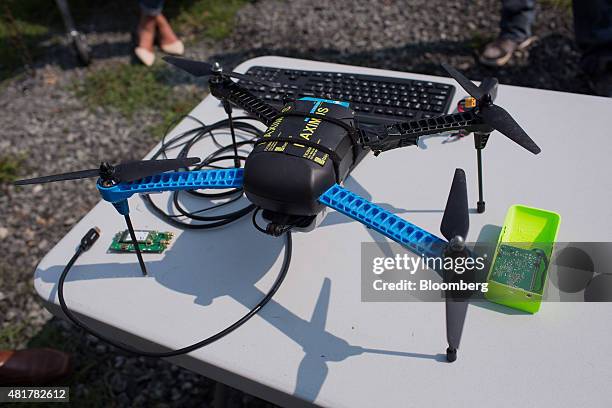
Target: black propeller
[[123, 172], [493, 115], [456, 310], [455, 225], [456, 219], [202, 69]]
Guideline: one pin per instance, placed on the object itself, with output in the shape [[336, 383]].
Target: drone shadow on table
[[197, 276]]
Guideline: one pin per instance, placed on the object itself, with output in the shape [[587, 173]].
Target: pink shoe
[[175, 48], [145, 56]]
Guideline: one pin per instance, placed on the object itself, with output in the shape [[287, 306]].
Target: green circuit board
[[148, 241], [519, 268]]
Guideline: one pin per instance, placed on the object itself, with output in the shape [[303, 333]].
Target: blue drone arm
[[421, 242], [181, 180], [390, 225]]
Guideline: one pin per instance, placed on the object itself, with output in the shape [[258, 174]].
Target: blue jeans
[[592, 25], [517, 17], [151, 7]]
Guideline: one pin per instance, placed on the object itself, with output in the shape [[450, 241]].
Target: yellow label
[[311, 124], [273, 127], [310, 128]]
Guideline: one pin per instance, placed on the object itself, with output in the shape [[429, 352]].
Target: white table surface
[[289, 355]]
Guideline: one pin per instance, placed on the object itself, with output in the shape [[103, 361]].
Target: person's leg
[[168, 40], [593, 28], [151, 7], [517, 17], [166, 34], [146, 32], [149, 10]]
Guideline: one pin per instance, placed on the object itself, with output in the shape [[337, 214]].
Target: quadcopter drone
[[297, 167]]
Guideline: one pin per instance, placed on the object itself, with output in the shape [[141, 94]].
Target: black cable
[[91, 237], [238, 197], [185, 141], [255, 221], [178, 215]]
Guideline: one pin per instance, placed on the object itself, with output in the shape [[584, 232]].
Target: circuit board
[[148, 241], [519, 268]]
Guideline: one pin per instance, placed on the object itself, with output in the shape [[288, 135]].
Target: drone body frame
[[293, 201]]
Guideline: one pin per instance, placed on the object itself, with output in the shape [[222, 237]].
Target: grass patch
[[20, 31], [129, 89], [9, 169], [24, 24], [51, 336], [11, 335], [565, 5], [126, 88], [204, 18], [98, 395]]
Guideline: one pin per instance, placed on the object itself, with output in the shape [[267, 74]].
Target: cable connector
[[275, 230], [89, 239]]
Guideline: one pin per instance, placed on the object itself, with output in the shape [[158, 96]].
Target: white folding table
[[316, 342]]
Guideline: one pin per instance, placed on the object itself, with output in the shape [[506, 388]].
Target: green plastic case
[[526, 231]]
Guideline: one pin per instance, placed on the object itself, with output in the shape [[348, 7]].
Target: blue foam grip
[[181, 180], [390, 225]]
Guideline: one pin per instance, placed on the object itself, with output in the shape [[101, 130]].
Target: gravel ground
[[411, 35], [50, 130]]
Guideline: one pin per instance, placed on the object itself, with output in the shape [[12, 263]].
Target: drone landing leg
[[480, 206], [135, 243], [480, 140], [228, 109]]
